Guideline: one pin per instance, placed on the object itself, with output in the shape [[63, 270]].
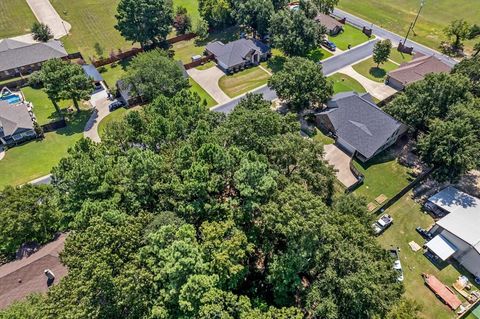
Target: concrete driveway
[[100, 102], [208, 80], [341, 162], [46, 13]]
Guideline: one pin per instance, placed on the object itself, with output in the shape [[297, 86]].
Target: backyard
[[36, 158], [344, 83], [42, 106], [369, 69], [16, 18], [350, 36], [243, 81], [407, 215], [397, 15]]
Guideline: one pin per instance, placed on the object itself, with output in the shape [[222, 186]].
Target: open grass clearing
[[383, 175], [407, 215], [345, 83], [350, 36], [397, 15], [34, 159], [16, 18], [43, 107], [369, 69], [244, 81]]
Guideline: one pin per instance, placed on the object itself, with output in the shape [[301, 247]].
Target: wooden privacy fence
[[203, 60]]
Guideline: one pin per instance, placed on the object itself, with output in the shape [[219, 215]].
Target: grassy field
[[397, 15], [42, 106], [407, 215], [344, 83], [35, 159], [244, 81], [16, 18], [369, 69], [350, 36], [383, 175]]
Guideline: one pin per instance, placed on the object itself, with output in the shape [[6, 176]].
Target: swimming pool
[[11, 98]]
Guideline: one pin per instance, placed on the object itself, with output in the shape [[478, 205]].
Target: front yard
[[407, 215], [319, 54], [369, 69], [344, 83], [16, 18], [244, 81], [350, 36]]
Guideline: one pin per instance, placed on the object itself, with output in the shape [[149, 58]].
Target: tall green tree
[[153, 73], [78, 87], [325, 6], [301, 83], [144, 21], [218, 13], [255, 14], [294, 33], [41, 32], [381, 51], [459, 30], [470, 67]]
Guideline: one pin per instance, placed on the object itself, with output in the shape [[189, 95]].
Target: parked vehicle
[[329, 45], [115, 105], [424, 233], [382, 223], [397, 265]]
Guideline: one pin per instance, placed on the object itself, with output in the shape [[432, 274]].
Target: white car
[[382, 223]]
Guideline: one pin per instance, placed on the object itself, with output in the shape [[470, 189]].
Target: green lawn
[[276, 61], [400, 57], [195, 87], [383, 175], [322, 138], [116, 115], [206, 66], [36, 158], [244, 81], [369, 69], [397, 15], [192, 9], [319, 54], [344, 83], [16, 18], [350, 35], [42, 106], [407, 215], [113, 72]]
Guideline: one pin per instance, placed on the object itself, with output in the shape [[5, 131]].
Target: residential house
[[457, 235], [92, 73], [358, 125], [25, 276], [16, 124], [416, 70], [332, 25], [236, 55], [20, 58]]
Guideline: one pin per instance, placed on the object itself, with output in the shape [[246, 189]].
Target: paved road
[[330, 65], [100, 102], [395, 38]]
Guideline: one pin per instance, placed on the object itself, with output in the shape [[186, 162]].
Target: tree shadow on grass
[[276, 63], [316, 55], [377, 72], [75, 123]]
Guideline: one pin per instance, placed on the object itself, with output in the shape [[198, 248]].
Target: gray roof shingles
[[235, 52], [359, 122], [14, 119]]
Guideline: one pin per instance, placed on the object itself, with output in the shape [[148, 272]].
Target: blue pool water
[[11, 98]]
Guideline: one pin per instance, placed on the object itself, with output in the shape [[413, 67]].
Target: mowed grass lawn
[[383, 175], [43, 107], [344, 83], [204, 96], [399, 57], [37, 158], [16, 18], [369, 69], [319, 54], [192, 9], [407, 215], [350, 36], [243, 81], [397, 15]]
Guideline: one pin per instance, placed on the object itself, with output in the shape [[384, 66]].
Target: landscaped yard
[[42, 106], [407, 215], [322, 138], [36, 158], [397, 15], [344, 83], [114, 72], [244, 81], [16, 18], [350, 36], [195, 87], [383, 175], [400, 57], [276, 61], [369, 69], [319, 54]]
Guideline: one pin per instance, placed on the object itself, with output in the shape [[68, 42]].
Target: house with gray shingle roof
[[18, 57], [333, 26], [16, 124], [238, 54], [359, 126]]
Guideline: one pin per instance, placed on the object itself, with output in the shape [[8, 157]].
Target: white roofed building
[[457, 235]]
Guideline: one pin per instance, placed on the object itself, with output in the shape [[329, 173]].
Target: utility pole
[[412, 25]]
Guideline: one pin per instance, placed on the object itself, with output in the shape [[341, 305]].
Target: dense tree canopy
[[255, 14], [218, 13], [144, 21], [185, 213], [470, 67], [301, 83], [325, 6], [41, 32]]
